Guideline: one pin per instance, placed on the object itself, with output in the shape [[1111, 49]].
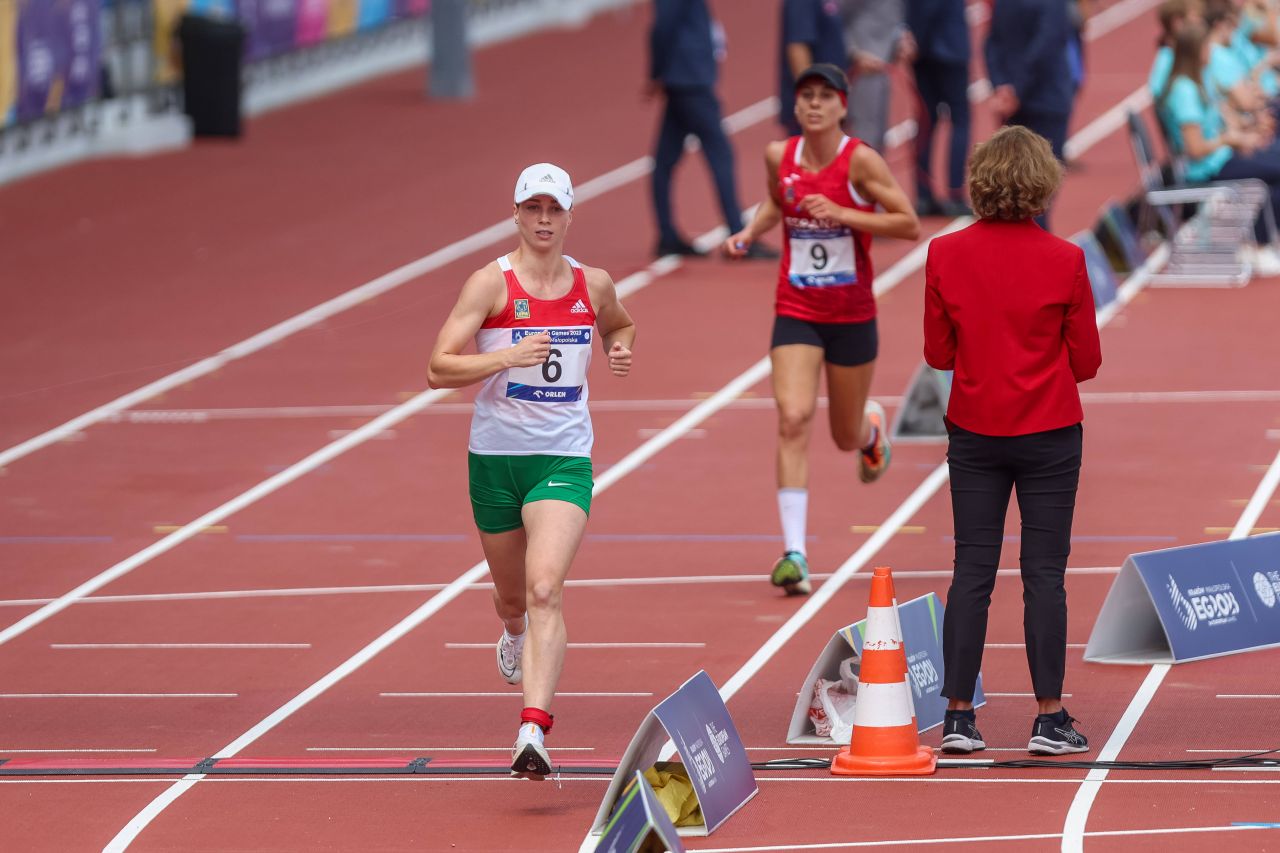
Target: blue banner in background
[[374, 12]]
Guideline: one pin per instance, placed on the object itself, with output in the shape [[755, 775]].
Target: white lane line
[[482, 239], [1010, 645], [1236, 751], [218, 514], [489, 646], [819, 780], [506, 750], [4, 750], [485, 694], [201, 416], [1248, 696], [1073, 830], [974, 839], [355, 438], [118, 695], [367, 589], [179, 645], [699, 413], [1106, 20]]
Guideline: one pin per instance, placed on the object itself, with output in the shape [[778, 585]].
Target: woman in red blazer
[[1009, 308]]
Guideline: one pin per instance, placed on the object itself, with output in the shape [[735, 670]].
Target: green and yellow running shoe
[[791, 573]]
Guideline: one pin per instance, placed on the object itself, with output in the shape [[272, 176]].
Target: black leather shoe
[[679, 247]]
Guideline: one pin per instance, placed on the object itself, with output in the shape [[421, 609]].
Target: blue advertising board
[[1193, 602], [639, 815], [921, 621], [695, 720]]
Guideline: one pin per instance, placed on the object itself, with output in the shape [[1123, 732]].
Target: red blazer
[[1009, 308]]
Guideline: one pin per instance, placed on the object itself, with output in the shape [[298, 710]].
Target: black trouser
[[1044, 468], [941, 83], [1264, 165], [696, 112]]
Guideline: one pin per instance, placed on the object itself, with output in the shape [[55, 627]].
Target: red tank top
[[825, 275]]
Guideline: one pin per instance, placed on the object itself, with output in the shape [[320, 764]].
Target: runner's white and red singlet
[[825, 274], [539, 410]]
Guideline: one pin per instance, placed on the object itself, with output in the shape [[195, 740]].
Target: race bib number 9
[[822, 258], [560, 378]]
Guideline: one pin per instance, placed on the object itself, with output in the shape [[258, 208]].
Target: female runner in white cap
[[533, 314]]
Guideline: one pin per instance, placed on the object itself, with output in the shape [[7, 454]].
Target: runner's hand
[[820, 207], [532, 350], [619, 359], [737, 244]]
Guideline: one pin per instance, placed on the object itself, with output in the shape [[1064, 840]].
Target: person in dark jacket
[[942, 78], [812, 33], [1009, 308], [1029, 70], [685, 47]]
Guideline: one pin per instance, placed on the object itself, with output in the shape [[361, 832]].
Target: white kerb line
[[457, 250], [356, 437], [1073, 831]]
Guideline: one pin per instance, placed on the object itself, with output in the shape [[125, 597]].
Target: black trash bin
[[212, 55]]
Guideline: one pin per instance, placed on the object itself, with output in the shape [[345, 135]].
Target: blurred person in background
[[876, 37], [812, 33], [1009, 308], [531, 314], [1173, 15], [1213, 147], [942, 80], [685, 49], [1029, 72], [832, 194]]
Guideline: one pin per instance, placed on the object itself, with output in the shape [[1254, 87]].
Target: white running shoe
[[529, 758], [509, 650], [1266, 261], [873, 462]]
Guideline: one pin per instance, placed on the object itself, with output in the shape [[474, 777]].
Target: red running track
[[328, 195]]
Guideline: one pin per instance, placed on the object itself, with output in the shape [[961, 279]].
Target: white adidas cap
[[545, 179]]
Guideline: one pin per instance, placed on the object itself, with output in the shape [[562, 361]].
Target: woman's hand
[[619, 359], [819, 206], [736, 245], [531, 350]]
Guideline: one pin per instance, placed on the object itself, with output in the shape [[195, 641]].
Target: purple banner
[[59, 55], [272, 26]]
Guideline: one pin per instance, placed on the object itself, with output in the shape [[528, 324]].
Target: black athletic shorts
[[845, 344]]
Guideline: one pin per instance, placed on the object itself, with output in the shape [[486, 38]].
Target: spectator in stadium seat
[[685, 48], [1214, 148], [1009, 308], [1029, 71], [1173, 16], [812, 33], [942, 78]]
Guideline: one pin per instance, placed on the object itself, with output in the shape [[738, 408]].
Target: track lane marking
[[1073, 831]]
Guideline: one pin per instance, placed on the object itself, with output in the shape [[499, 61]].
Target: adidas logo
[[547, 179], [579, 308]]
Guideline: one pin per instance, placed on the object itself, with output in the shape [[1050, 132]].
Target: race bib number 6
[[822, 258], [560, 378]]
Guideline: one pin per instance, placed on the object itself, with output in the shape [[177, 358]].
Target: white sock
[[793, 509], [532, 731]]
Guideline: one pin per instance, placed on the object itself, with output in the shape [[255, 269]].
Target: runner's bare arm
[[870, 176], [768, 213], [617, 329], [481, 298]]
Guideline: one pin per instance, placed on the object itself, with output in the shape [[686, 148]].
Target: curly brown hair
[[1013, 174]]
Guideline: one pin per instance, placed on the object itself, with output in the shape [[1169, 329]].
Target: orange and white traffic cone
[[885, 740]]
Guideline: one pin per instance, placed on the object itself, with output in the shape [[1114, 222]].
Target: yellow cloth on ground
[[671, 783]]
